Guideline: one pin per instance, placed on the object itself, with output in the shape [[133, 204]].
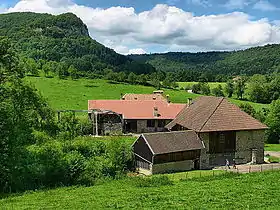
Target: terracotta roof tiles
[[169, 142], [208, 113]]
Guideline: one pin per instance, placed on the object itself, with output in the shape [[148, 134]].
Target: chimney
[[168, 99], [189, 101], [155, 112]]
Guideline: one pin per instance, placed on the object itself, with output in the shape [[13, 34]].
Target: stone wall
[[112, 128], [173, 166], [246, 141], [142, 127], [204, 155]]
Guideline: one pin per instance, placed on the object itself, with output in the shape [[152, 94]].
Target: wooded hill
[[63, 38], [258, 60]]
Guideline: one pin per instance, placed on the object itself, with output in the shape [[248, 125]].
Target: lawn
[[190, 84], [74, 94], [247, 191], [272, 147]]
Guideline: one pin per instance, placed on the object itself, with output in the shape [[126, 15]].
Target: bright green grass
[[194, 174], [247, 191], [272, 147], [74, 94], [211, 84]]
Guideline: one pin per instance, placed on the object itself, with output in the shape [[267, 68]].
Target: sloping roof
[[133, 109], [168, 142], [146, 97], [209, 113]]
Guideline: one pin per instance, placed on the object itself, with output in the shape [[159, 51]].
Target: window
[[150, 123], [222, 142]]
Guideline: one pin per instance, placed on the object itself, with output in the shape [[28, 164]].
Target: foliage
[[240, 87], [63, 38], [22, 111], [273, 122], [218, 91], [215, 66], [229, 88]]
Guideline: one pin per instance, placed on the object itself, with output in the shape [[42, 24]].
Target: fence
[[222, 171]]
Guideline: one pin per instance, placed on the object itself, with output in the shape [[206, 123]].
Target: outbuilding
[[167, 152]]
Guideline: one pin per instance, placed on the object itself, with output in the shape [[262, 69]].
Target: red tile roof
[[208, 113], [133, 109]]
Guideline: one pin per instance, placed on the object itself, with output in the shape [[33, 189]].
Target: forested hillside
[[65, 39], [258, 60]]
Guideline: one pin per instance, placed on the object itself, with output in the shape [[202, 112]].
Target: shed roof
[[209, 113], [168, 142], [134, 109], [146, 97]]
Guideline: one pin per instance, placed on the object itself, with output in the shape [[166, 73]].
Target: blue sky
[[138, 26]]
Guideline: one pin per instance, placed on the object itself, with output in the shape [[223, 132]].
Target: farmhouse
[[225, 131], [131, 116]]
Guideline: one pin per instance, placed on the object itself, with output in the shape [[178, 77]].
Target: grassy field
[[272, 147], [74, 94], [211, 84], [247, 191]]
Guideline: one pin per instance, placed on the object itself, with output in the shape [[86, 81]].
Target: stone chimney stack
[[168, 98], [155, 112]]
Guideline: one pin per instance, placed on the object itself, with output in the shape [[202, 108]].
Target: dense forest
[[215, 65], [63, 39]]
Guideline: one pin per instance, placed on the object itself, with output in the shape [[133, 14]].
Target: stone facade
[[142, 127], [246, 143]]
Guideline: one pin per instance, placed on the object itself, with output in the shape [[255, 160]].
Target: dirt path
[[272, 153]]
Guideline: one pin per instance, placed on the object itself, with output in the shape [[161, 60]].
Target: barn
[[203, 135], [167, 152]]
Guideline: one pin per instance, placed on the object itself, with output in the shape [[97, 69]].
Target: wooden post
[[96, 124]]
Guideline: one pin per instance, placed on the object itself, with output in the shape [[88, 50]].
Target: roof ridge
[[212, 114]]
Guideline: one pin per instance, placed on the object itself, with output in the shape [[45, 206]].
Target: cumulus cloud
[[127, 31], [264, 5]]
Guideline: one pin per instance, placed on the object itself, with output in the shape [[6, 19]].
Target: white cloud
[[236, 4], [265, 5], [164, 26]]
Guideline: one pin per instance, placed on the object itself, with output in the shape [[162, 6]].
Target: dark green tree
[[273, 122], [229, 88], [218, 91], [240, 87]]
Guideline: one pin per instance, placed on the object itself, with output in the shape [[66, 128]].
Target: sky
[[157, 26]]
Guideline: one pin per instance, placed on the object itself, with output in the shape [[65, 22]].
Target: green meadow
[[227, 191], [74, 94]]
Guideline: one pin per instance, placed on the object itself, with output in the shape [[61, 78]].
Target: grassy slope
[[69, 94], [211, 84], [249, 191], [272, 147]]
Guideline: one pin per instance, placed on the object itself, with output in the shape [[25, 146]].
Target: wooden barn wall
[[142, 149], [177, 156]]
